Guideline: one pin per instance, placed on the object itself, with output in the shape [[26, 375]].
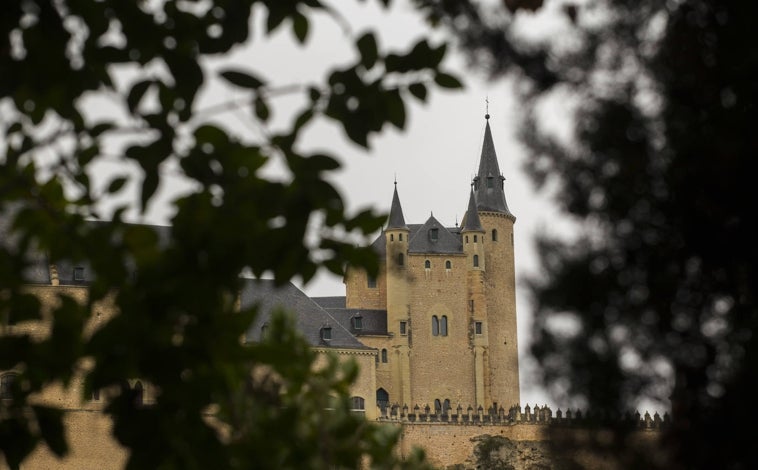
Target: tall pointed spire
[[488, 183], [396, 219], [471, 222]]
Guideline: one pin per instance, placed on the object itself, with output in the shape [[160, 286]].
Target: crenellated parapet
[[537, 415]]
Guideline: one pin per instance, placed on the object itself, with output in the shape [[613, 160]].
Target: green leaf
[[136, 93], [418, 90], [261, 109], [368, 50], [447, 81], [242, 79], [300, 27], [116, 184]]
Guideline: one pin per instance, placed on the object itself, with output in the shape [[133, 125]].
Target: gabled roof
[[309, 316], [488, 184], [423, 239]]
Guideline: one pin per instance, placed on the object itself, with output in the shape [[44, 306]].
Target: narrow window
[[78, 273], [476, 261], [445, 405], [326, 333], [95, 395], [357, 403], [371, 281], [400, 236], [435, 326], [494, 234], [448, 265], [384, 356], [382, 399], [392, 237], [434, 234], [6, 385], [400, 259], [437, 405], [466, 238], [471, 305], [443, 326], [478, 327], [358, 322], [427, 264], [490, 182], [475, 238], [139, 394], [403, 328]]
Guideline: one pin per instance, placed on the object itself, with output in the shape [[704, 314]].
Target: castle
[[439, 318]]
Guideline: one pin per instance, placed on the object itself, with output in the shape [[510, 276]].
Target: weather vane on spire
[[487, 107]]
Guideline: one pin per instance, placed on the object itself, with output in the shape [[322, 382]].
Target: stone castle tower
[[449, 298]]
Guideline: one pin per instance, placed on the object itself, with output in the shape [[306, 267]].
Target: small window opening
[[448, 265], [357, 403], [6, 385], [471, 305], [78, 273], [403, 328], [476, 238], [400, 236], [478, 327], [476, 261], [490, 182], [427, 264], [384, 356], [358, 322], [392, 237], [437, 405], [326, 333], [371, 281], [443, 326], [494, 234], [434, 234], [466, 238], [435, 326], [445, 405], [400, 259]]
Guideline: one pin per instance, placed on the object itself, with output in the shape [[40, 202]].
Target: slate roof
[[373, 322], [330, 302], [490, 196], [309, 316], [396, 219], [471, 221], [422, 240]]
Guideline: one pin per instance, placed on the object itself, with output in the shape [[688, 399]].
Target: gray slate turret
[[488, 184], [396, 219]]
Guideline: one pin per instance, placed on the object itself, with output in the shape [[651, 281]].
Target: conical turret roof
[[396, 219], [471, 222], [488, 184]]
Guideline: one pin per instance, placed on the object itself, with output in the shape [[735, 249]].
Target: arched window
[[400, 259], [427, 264], [494, 234], [476, 261], [466, 238], [384, 356], [476, 238], [443, 326], [445, 405], [392, 237], [437, 405], [400, 236], [357, 403], [6, 385], [448, 264], [382, 399], [435, 326], [139, 394]]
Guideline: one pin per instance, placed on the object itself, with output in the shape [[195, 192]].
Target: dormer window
[[326, 333], [434, 234], [490, 182], [358, 322], [79, 274]]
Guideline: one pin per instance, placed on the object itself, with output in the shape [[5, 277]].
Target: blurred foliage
[[657, 294], [178, 326]]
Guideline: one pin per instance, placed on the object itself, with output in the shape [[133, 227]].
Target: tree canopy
[[656, 295], [177, 325]]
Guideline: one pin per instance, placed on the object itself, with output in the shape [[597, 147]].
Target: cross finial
[[487, 107]]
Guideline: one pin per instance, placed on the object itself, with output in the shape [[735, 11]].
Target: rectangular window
[[371, 282], [78, 273], [478, 327], [403, 328]]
